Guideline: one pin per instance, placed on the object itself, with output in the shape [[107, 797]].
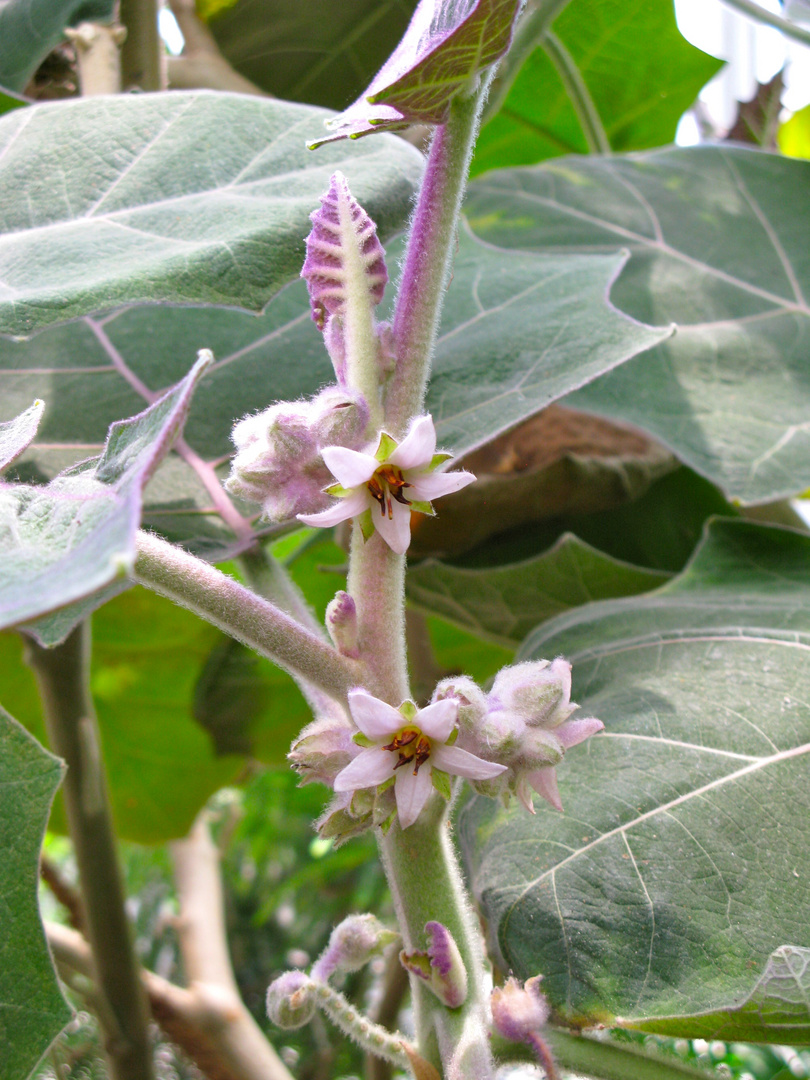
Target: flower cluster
[[525, 722]]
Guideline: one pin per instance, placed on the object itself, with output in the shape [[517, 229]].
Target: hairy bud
[[440, 966], [290, 1000], [341, 622], [352, 944], [519, 1011]]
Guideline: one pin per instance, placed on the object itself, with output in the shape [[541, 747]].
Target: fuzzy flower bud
[[440, 966], [519, 1011], [538, 692], [323, 749], [352, 944], [290, 1000], [471, 699], [278, 462], [341, 622]]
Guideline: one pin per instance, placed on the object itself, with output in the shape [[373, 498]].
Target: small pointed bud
[[352, 944], [344, 256], [322, 750], [440, 966], [290, 1000], [472, 701], [341, 622], [538, 691], [519, 1011]]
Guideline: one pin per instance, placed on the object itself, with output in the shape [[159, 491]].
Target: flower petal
[[396, 530], [376, 719], [412, 792], [434, 485], [576, 731], [418, 447], [439, 719], [368, 769], [352, 506], [544, 782], [350, 468], [452, 759]]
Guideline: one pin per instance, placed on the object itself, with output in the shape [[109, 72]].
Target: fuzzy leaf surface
[[30, 29], [719, 241], [16, 434], [504, 603], [639, 71], [32, 1009], [518, 331], [677, 868], [191, 197], [76, 535], [444, 47]]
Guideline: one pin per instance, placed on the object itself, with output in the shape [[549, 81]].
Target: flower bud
[[440, 966], [537, 691], [323, 749], [290, 1000], [472, 701], [352, 944], [341, 622], [519, 1011]]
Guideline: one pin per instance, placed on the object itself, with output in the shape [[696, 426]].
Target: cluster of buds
[[279, 461], [525, 723]]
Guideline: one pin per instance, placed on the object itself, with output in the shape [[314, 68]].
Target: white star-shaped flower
[[390, 483], [408, 744]]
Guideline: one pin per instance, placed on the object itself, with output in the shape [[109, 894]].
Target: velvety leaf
[[640, 73], [504, 603], [676, 869], [64, 541], [29, 29], [518, 331], [187, 197], [32, 1009], [445, 46], [778, 1000], [16, 434], [719, 239], [320, 52]]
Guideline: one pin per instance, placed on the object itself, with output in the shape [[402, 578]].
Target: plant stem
[[612, 1061], [62, 676], [262, 626], [426, 884], [142, 57], [578, 94], [429, 256], [376, 582], [762, 15]]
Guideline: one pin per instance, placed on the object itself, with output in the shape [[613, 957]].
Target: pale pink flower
[[408, 744], [388, 484]]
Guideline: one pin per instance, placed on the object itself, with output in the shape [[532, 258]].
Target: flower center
[[411, 746], [387, 484]]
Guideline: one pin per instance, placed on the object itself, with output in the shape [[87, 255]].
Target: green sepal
[[408, 711], [386, 447], [362, 740], [438, 459], [452, 738], [389, 821], [366, 524], [423, 508], [385, 785], [337, 490], [442, 783]]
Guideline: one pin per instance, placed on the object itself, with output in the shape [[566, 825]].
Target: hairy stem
[[377, 584], [426, 885], [611, 1061], [578, 94], [62, 676], [429, 257], [257, 623]]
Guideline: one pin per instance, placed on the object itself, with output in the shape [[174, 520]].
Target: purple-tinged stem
[[429, 256], [544, 1055]]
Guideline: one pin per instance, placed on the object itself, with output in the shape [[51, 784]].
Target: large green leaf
[[518, 331], [640, 74], [720, 240], [29, 29], [318, 52], [678, 866], [66, 540], [32, 1010], [504, 603], [185, 197]]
